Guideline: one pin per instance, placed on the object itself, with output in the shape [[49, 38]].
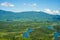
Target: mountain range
[[27, 16]]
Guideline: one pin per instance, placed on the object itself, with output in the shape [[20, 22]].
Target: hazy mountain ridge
[[29, 16]]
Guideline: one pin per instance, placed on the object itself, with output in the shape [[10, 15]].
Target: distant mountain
[[27, 16]]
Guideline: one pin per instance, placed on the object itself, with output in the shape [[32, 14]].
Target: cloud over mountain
[[54, 12]]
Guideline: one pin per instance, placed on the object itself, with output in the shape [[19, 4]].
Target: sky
[[49, 6]]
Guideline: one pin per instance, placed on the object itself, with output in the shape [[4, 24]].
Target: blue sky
[[30, 5]]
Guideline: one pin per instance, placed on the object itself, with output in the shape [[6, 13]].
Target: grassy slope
[[14, 30]]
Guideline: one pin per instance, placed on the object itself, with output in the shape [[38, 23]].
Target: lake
[[26, 34]]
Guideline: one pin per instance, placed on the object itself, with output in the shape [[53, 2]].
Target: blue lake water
[[56, 35], [50, 27], [26, 34]]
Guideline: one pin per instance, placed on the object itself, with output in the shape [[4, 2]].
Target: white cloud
[[11, 5], [47, 10], [33, 5], [54, 12], [6, 4]]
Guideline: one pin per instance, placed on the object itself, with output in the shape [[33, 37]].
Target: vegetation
[[40, 31]]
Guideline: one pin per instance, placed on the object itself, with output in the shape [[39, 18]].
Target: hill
[[27, 16]]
